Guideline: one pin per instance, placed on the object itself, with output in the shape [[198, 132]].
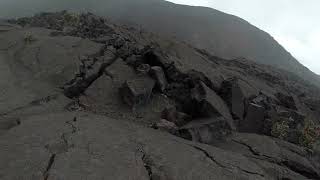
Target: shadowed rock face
[[64, 114], [221, 34]]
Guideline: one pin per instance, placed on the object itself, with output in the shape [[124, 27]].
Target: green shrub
[[280, 129], [310, 134]]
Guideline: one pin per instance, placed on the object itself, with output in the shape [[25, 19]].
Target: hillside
[[85, 98], [221, 34]]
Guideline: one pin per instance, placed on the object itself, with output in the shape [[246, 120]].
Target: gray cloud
[[293, 23]]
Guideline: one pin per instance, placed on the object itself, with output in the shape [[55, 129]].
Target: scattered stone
[[137, 92], [172, 115], [166, 126], [158, 74], [143, 69], [208, 131]]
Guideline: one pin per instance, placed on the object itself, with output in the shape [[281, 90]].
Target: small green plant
[[280, 129], [310, 134]]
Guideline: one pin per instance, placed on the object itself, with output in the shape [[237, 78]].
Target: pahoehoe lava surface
[[84, 98]]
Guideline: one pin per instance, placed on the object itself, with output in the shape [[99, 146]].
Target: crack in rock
[[223, 166], [209, 156], [49, 166], [64, 138], [78, 87], [147, 165], [300, 170], [251, 149], [64, 135], [37, 102]]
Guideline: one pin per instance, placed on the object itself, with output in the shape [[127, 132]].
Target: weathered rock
[[80, 84], [210, 104], [292, 159], [208, 131], [316, 155], [166, 126], [286, 101], [80, 144], [134, 60], [158, 74], [8, 123], [237, 93], [137, 91], [200, 76], [269, 103], [254, 120], [99, 147], [143, 69], [172, 115]]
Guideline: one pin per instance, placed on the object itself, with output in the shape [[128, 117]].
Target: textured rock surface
[[93, 134], [254, 121]]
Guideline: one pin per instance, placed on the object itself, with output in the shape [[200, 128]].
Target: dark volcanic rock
[[8, 123], [210, 104], [279, 153], [178, 118], [254, 120], [166, 126], [208, 131], [158, 74], [143, 69], [102, 61], [286, 101], [237, 93], [137, 92]]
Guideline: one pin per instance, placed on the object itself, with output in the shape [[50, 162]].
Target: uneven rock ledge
[[83, 98]]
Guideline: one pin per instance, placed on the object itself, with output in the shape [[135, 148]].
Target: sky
[[295, 24]]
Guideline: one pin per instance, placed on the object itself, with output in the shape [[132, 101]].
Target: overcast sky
[[295, 24]]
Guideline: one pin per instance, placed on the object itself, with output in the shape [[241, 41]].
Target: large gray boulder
[[158, 74], [254, 120], [210, 103], [238, 93], [138, 91]]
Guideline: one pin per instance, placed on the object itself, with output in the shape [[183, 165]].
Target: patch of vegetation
[[280, 129], [310, 134]]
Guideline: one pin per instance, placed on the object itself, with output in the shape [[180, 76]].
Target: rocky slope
[[83, 98], [221, 34]]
